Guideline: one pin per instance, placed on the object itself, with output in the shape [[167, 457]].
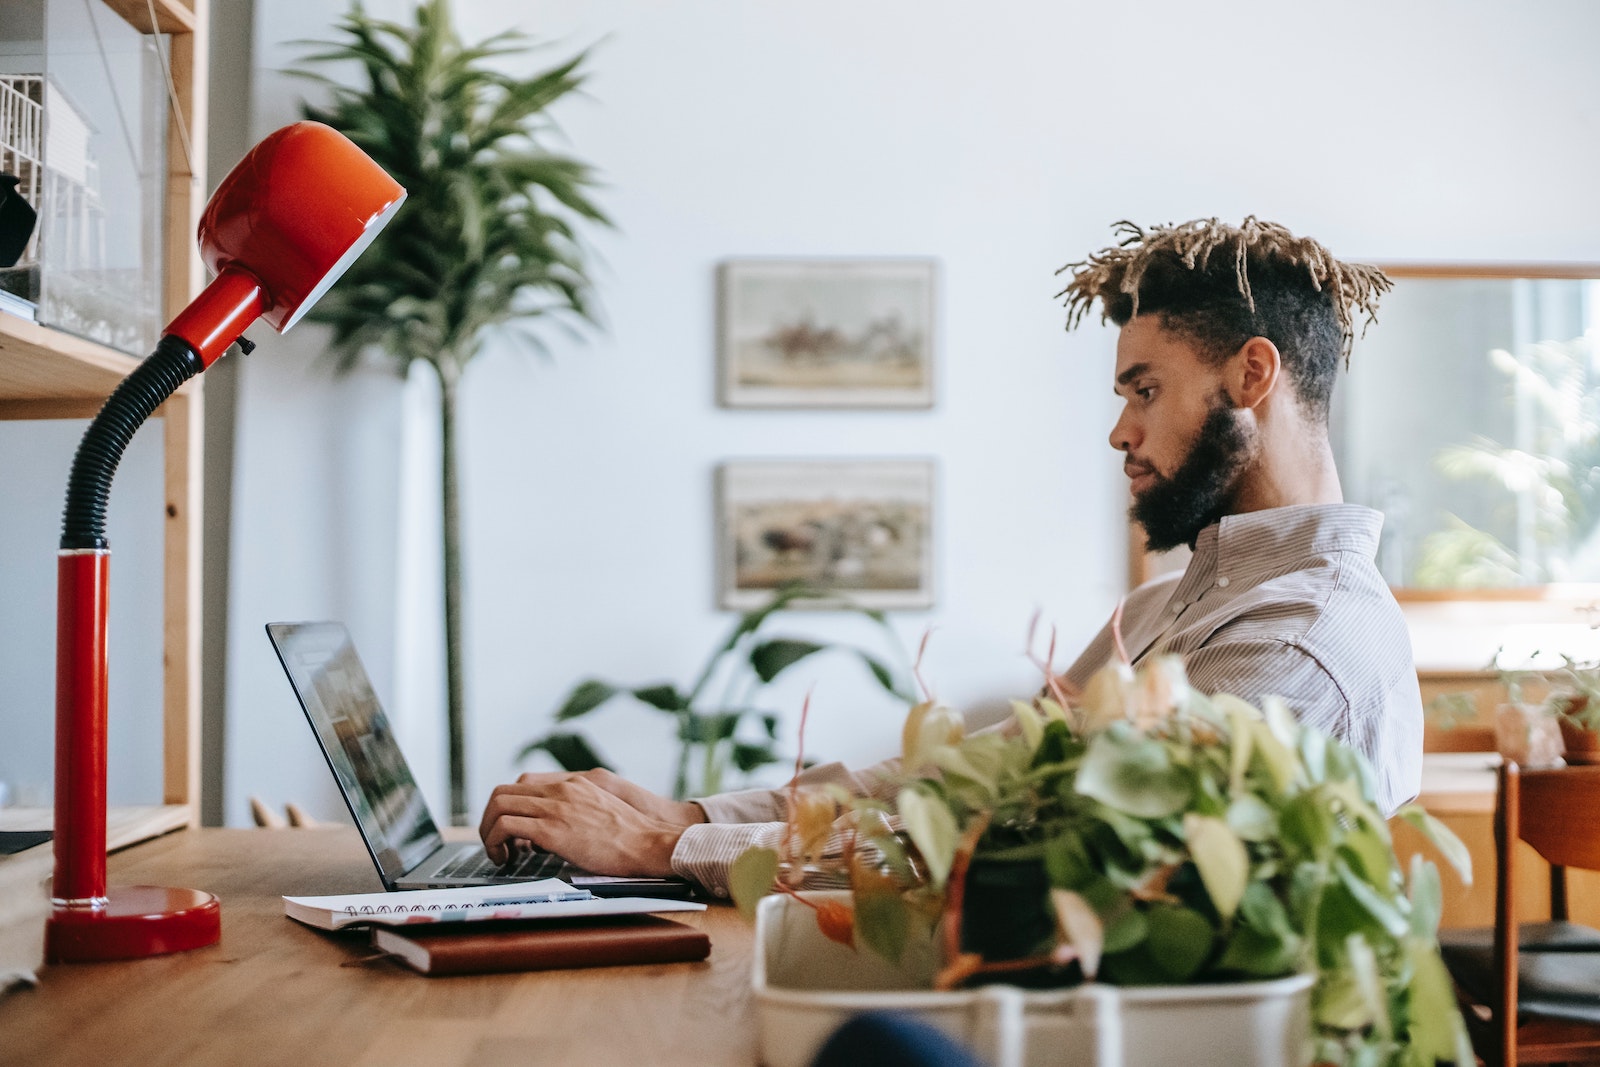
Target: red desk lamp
[[280, 229]]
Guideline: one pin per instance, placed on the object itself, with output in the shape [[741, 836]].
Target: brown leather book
[[485, 947]]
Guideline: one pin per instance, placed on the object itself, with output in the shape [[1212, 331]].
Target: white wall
[[1002, 140], [35, 459]]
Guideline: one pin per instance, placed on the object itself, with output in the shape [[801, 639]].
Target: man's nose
[[1123, 436]]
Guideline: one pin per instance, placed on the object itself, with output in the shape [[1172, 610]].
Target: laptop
[[378, 788]]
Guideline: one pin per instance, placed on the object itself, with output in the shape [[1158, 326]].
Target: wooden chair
[[1531, 992], [265, 817]]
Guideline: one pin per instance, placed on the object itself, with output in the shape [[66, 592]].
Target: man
[[1231, 337]]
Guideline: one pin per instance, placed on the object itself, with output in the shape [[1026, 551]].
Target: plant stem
[[454, 703], [680, 781], [710, 774]]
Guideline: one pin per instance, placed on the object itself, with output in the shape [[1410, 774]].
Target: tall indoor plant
[[486, 243]]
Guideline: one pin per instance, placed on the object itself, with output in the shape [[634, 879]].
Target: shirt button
[[1222, 583], [721, 892], [1177, 609]]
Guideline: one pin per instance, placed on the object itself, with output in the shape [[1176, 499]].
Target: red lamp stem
[[80, 839], [222, 311]]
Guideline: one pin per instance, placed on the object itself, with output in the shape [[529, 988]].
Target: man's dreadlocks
[[1220, 285]]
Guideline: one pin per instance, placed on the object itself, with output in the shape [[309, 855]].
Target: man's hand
[[677, 812], [596, 819]]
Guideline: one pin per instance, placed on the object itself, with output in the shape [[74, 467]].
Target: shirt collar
[[1240, 547]]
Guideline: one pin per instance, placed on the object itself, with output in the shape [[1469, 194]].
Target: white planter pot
[[806, 986]]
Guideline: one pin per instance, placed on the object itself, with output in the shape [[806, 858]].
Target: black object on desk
[[19, 840]]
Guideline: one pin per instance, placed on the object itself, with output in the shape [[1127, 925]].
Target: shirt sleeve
[[755, 818], [772, 805], [706, 852], [1256, 669]]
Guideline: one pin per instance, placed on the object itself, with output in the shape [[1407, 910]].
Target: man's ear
[[1253, 372]]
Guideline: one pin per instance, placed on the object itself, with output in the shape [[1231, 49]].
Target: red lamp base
[[138, 921]]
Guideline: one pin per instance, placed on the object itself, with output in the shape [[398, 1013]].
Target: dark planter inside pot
[[1005, 909]]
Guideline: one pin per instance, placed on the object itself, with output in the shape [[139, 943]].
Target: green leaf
[[1372, 858], [882, 922], [747, 757], [1030, 722], [1252, 818], [771, 658], [1361, 963], [932, 828], [1314, 754], [585, 697], [1057, 745], [1066, 862], [709, 728], [884, 676], [1427, 898], [665, 697], [1371, 899], [751, 877], [1437, 1032], [1180, 939], [960, 762], [1442, 838], [1260, 954], [1126, 929], [571, 751], [1339, 1003], [1132, 773], [1220, 857], [1279, 760], [1261, 908], [1306, 824]]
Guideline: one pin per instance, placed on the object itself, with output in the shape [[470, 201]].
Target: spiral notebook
[[547, 899]]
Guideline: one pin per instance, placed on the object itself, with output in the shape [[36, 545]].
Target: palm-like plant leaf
[[487, 235]]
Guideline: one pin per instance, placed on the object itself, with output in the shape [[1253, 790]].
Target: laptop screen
[[356, 738]]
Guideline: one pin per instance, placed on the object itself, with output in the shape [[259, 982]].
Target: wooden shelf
[[47, 374], [172, 16], [38, 363]]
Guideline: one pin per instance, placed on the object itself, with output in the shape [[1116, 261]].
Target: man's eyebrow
[[1131, 373]]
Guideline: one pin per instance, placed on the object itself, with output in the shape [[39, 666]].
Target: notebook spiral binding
[[466, 905]]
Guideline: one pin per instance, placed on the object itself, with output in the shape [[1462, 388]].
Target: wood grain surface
[[275, 992]]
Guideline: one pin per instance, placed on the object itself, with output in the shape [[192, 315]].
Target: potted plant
[[1575, 700], [728, 730], [1547, 715], [1143, 835], [485, 245]]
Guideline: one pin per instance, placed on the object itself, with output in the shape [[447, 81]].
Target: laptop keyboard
[[525, 866]]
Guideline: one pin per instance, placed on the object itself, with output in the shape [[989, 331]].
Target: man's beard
[[1176, 508]]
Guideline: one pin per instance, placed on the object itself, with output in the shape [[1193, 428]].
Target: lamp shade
[[280, 229]]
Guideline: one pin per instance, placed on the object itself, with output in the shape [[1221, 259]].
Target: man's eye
[[1145, 393]]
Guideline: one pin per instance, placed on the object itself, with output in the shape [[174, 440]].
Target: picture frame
[[826, 333], [863, 528]]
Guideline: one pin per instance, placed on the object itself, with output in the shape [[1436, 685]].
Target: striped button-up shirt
[[1284, 602]]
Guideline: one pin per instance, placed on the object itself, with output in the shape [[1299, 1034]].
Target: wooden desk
[[274, 992]]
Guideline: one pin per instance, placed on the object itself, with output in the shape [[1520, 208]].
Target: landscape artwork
[[827, 333], [861, 527]]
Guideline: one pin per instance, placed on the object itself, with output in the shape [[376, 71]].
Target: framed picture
[[862, 527], [826, 333]]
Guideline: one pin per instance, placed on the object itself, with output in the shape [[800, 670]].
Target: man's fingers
[[508, 829]]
